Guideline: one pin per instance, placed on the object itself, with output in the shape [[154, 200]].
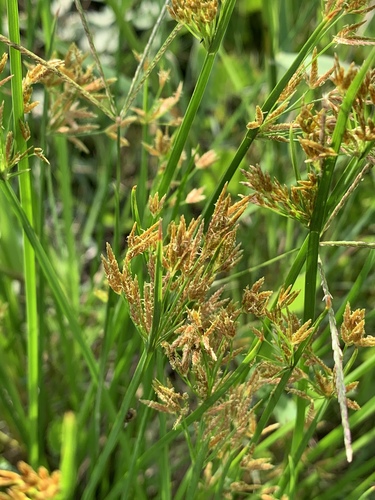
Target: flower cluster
[[353, 329], [10, 156], [199, 16], [296, 202], [67, 81], [191, 260], [314, 129], [29, 484]]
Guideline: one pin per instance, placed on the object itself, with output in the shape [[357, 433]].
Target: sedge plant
[[160, 325]]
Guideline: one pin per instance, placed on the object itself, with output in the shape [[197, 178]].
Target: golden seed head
[[198, 16], [195, 196], [29, 483], [3, 61], [206, 160], [353, 328]]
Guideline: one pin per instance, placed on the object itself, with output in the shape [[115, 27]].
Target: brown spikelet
[[29, 483], [172, 402], [39, 153], [286, 297], [9, 143], [25, 130], [3, 61], [140, 243], [353, 328], [155, 205], [254, 301], [292, 84], [112, 271]]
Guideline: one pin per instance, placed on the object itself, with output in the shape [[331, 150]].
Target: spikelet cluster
[[199, 16], [29, 484], [67, 115]]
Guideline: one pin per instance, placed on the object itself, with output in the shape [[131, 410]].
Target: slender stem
[[113, 437], [318, 217], [68, 456], [195, 101], [143, 171], [317, 222], [186, 124], [33, 367], [134, 88], [56, 288], [95, 56], [270, 38], [65, 182]]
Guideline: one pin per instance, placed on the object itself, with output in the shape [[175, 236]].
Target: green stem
[[118, 425], [195, 101], [185, 127], [65, 182], [319, 213], [143, 171], [317, 222], [271, 36], [68, 456], [33, 367]]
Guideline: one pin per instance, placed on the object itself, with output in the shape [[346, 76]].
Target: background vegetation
[[164, 385]]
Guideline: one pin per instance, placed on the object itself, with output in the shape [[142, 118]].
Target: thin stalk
[[332, 440], [127, 487], [116, 237], [346, 481], [33, 367], [123, 487], [158, 295], [291, 470], [195, 101], [117, 427], [143, 171], [336, 461], [68, 456], [107, 343], [271, 36], [47, 23], [11, 403], [319, 213], [135, 86], [65, 182], [108, 325], [318, 218], [354, 292], [276, 394], [348, 176], [185, 127], [165, 462], [95, 56], [196, 470]]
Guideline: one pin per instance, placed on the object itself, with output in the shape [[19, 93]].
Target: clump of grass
[[172, 367]]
